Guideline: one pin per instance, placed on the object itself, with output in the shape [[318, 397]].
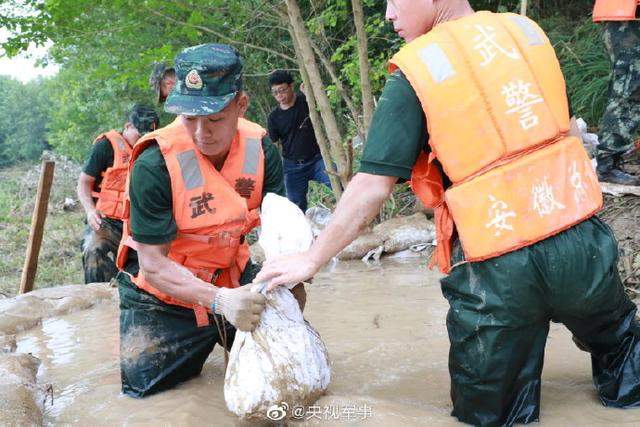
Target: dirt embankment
[[622, 213], [60, 259]]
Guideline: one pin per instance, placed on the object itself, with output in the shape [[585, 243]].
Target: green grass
[[585, 64], [60, 259]]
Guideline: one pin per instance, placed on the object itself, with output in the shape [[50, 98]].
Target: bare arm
[[240, 306], [171, 278], [359, 204], [85, 186]]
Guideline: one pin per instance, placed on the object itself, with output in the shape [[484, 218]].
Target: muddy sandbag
[[26, 311], [70, 298], [7, 343], [318, 217], [257, 254], [401, 233], [21, 313], [284, 358], [20, 400], [361, 246]]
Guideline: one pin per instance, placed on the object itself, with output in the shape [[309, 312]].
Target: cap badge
[[193, 80]]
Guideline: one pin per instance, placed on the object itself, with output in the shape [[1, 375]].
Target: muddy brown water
[[384, 327]]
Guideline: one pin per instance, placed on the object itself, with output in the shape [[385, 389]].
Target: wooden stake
[[523, 7], [37, 227]]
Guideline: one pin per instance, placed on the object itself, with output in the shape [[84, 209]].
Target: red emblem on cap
[[193, 80]]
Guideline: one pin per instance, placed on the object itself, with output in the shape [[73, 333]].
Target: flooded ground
[[384, 327]]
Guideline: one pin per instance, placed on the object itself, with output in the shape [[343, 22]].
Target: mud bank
[[402, 237], [26, 311], [22, 398], [384, 327]]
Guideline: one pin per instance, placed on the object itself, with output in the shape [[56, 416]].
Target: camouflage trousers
[[99, 250], [621, 118]]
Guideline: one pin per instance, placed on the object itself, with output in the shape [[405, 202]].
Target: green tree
[[24, 112]]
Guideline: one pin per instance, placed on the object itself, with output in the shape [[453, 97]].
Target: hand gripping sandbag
[[284, 359]]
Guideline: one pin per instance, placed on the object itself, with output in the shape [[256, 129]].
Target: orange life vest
[[615, 10], [213, 209], [111, 192], [494, 97]]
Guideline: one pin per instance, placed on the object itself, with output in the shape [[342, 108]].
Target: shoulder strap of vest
[[121, 149], [244, 168], [251, 129], [165, 137]]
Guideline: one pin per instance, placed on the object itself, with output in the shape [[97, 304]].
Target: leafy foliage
[[585, 64], [106, 48], [23, 120]]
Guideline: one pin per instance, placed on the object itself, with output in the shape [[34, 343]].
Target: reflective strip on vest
[[437, 63], [121, 144], [529, 31], [190, 169], [251, 156]]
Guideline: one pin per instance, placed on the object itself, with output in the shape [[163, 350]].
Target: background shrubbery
[[104, 69]]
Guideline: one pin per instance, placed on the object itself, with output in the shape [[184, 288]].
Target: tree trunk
[[523, 7], [307, 58], [316, 120], [330, 69], [346, 96], [365, 81]]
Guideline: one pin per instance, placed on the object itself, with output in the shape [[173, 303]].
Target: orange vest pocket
[[526, 200]]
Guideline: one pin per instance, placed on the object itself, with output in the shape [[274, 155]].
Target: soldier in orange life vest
[[195, 189], [514, 196], [101, 189], [621, 119]]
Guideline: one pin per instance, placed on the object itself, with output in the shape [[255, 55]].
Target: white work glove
[[240, 306]]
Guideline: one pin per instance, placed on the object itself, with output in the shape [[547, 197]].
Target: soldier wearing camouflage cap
[[621, 120], [195, 187], [101, 189], [162, 80]]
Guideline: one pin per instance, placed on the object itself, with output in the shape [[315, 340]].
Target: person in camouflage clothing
[[162, 80], [621, 119], [176, 261], [103, 175]]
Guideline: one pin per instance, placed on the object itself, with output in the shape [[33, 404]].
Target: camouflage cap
[[208, 77], [160, 69], [144, 118]]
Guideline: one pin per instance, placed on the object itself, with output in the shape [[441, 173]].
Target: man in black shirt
[[289, 123]]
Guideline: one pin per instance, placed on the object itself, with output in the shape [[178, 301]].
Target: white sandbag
[[319, 217], [284, 228], [284, 359]]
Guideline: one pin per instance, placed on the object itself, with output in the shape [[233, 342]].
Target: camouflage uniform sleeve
[[397, 133], [100, 158], [273, 175], [151, 213]]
